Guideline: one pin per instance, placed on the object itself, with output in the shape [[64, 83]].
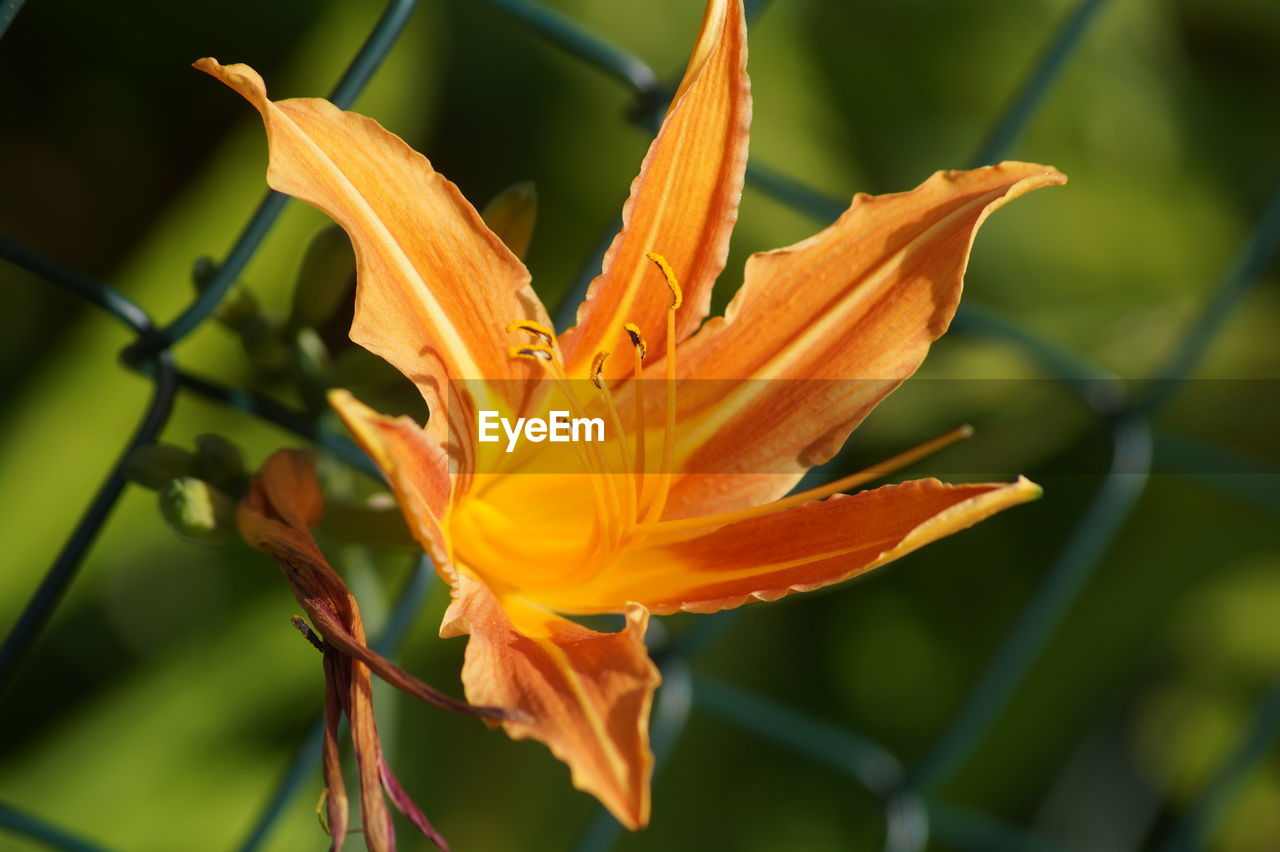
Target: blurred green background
[[161, 705]]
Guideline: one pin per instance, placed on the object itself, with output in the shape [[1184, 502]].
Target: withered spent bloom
[[284, 501]]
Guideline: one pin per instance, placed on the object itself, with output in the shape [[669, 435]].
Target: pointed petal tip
[[240, 77], [1020, 177], [341, 397], [1030, 490], [1033, 175]]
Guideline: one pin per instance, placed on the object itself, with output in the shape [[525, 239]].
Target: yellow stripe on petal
[[797, 550], [586, 694]]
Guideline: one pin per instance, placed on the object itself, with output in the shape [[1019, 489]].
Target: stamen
[[615, 423], [537, 329], [597, 368], [607, 507], [637, 339], [876, 471], [533, 352], [677, 295], [669, 432], [639, 347], [591, 452]]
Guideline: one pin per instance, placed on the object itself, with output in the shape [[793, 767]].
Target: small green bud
[[152, 465], [263, 344], [237, 306], [219, 461], [357, 369], [314, 360], [202, 272], [512, 214], [238, 309], [324, 280], [197, 510]]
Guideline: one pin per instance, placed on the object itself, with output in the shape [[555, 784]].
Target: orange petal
[[683, 203], [415, 465], [797, 550], [827, 328], [587, 694], [436, 287]]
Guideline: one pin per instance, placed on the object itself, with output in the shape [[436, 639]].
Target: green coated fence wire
[[1196, 829], [47, 834], [358, 74], [914, 805]]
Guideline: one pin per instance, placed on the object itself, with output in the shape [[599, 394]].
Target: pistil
[[862, 477]]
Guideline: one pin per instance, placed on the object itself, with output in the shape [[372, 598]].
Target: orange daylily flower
[[683, 508]]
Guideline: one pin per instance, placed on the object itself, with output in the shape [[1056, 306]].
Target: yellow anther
[[537, 329], [677, 297], [597, 369], [637, 339], [533, 353]]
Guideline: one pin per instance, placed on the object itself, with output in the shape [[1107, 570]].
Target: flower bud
[[313, 358], [238, 305], [511, 215], [219, 461], [324, 280], [263, 344], [238, 309], [197, 510], [153, 465]]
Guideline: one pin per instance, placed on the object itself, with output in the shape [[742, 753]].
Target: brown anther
[[637, 339], [308, 634], [537, 329], [597, 369], [533, 353], [677, 295]]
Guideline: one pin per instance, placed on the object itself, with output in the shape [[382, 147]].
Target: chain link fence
[[914, 813]]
